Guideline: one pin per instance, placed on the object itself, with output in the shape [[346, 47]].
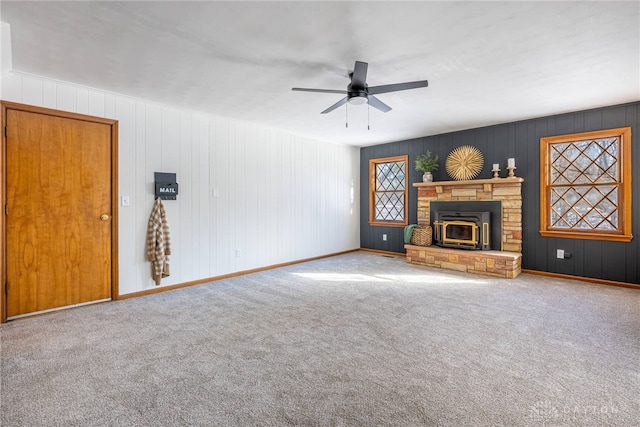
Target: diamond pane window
[[585, 182], [388, 191]]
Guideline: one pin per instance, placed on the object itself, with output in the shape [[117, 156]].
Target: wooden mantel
[[496, 181]]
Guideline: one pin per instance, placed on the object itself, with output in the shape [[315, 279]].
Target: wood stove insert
[[463, 230]]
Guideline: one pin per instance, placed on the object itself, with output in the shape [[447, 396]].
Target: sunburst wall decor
[[464, 163]]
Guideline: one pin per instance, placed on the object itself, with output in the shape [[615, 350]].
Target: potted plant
[[427, 164]]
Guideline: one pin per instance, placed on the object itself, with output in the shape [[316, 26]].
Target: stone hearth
[[489, 263]]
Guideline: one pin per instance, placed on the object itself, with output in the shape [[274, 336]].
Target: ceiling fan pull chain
[[368, 114], [346, 112]]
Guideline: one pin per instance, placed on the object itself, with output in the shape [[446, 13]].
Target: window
[[388, 191], [585, 184]]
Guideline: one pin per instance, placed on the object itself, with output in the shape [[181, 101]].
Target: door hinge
[[6, 209], [5, 131]]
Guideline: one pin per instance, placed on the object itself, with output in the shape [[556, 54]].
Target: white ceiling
[[486, 62]]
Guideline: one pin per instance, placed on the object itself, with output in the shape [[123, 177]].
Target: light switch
[[126, 201]]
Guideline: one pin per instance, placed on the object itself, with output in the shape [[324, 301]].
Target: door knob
[[104, 217]]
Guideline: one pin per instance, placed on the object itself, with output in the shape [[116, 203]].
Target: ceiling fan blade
[[301, 89], [397, 86], [376, 103], [359, 77], [336, 105]]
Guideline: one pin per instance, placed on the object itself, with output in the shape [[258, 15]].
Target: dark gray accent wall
[[615, 261]]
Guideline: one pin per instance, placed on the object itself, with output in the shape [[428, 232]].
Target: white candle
[[496, 166], [511, 162]]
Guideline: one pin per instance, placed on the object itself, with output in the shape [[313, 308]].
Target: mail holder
[[166, 186]]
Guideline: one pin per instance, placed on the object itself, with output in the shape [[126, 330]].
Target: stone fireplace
[[501, 197]]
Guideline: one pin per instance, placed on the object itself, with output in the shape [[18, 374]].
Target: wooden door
[[59, 209]]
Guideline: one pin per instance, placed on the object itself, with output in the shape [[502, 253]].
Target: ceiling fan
[[358, 92]]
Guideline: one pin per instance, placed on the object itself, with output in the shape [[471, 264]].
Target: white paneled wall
[[270, 196]]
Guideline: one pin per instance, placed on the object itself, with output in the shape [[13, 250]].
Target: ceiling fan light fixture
[[358, 100]]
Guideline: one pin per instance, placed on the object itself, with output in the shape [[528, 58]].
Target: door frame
[[3, 192]]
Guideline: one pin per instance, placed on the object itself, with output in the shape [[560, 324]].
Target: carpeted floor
[[353, 340]]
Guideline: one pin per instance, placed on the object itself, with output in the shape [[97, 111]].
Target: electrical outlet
[[238, 253], [384, 237], [560, 253]]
